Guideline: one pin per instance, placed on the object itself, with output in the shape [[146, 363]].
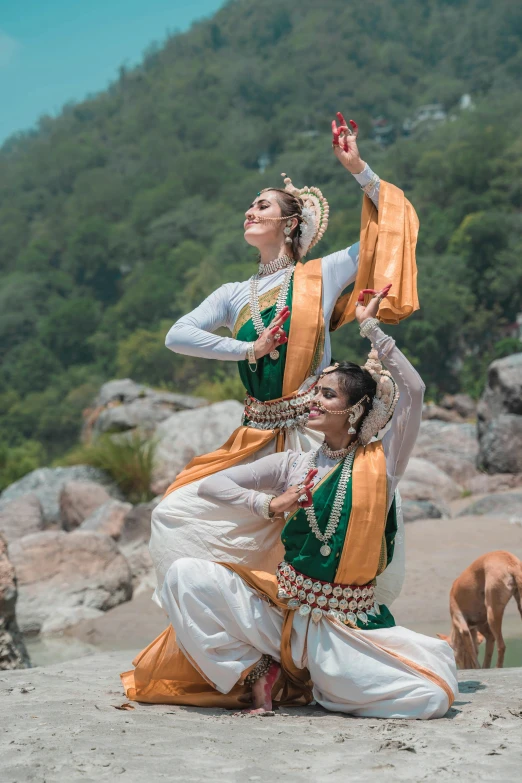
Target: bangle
[[367, 325], [251, 358], [369, 189], [265, 510]]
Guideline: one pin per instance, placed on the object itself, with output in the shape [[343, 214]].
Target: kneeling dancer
[[315, 629]]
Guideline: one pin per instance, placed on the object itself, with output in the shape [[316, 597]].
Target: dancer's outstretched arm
[[340, 268], [192, 335], [248, 486], [400, 439]]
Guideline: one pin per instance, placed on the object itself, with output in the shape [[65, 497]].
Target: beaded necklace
[[255, 312], [337, 505]]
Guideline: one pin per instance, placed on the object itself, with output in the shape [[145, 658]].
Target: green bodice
[[302, 547], [266, 383]]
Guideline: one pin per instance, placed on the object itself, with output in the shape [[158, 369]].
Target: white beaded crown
[[384, 402], [315, 213]]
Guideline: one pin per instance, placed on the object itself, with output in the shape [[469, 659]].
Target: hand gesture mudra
[[344, 143], [362, 311], [290, 501], [273, 335]]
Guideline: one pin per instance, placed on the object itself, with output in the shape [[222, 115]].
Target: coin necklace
[[337, 505], [255, 312]]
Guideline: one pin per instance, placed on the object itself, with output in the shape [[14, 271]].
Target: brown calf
[[478, 598]]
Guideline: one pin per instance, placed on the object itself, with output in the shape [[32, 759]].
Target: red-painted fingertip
[[354, 125], [369, 291], [360, 298], [341, 118]]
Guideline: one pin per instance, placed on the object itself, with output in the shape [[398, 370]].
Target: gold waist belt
[[286, 412]]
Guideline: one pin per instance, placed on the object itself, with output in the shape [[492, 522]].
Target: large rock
[[123, 405], [463, 404], [13, 654], [503, 504], [425, 481], [67, 577], [500, 441], [47, 485], [452, 447], [134, 544], [190, 433], [21, 517], [487, 483], [78, 500], [500, 417], [422, 509], [108, 519]]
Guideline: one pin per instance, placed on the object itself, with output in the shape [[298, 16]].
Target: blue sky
[[54, 51]]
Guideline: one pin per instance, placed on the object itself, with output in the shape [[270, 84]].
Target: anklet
[[259, 670]]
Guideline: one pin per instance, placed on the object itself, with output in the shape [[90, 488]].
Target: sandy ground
[[59, 723]]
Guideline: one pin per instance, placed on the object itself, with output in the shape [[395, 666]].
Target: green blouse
[[266, 383], [302, 547]]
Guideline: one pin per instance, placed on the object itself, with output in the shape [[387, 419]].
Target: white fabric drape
[[225, 626]]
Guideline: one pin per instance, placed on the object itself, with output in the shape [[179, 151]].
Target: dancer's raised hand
[[289, 500], [273, 336], [344, 143], [362, 311]]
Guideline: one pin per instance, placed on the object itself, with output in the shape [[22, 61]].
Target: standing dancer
[[318, 627], [281, 319]]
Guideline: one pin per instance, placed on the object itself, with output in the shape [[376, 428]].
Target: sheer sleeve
[[192, 334], [248, 485], [400, 439], [340, 268]]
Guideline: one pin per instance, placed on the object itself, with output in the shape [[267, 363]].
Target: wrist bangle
[[367, 326], [251, 358], [265, 510], [369, 189]]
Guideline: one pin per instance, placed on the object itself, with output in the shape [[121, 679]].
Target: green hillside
[[124, 212]]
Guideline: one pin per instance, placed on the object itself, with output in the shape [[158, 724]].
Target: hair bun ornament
[[315, 213], [384, 402]]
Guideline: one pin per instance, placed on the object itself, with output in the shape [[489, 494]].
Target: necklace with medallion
[[255, 311], [337, 505]]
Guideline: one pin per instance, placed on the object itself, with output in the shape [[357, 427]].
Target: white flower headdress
[[384, 402], [314, 215]]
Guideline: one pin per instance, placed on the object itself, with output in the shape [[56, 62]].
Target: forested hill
[[122, 213]]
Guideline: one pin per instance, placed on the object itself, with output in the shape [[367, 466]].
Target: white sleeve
[[400, 439], [192, 334], [364, 178], [247, 486], [340, 268]]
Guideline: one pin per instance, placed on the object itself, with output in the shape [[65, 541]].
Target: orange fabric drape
[[305, 328], [386, 255], [164, 675], [361, 552]]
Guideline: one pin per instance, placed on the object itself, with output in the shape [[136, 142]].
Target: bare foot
[[262, 692]]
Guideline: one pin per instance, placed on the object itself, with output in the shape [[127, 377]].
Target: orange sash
[[360, 557], [386, 255]]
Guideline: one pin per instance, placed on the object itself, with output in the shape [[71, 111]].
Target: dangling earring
[[355, 415], [288, 231], [352, 419]]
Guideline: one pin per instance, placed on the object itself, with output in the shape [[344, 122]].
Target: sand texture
[[59, 723]]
